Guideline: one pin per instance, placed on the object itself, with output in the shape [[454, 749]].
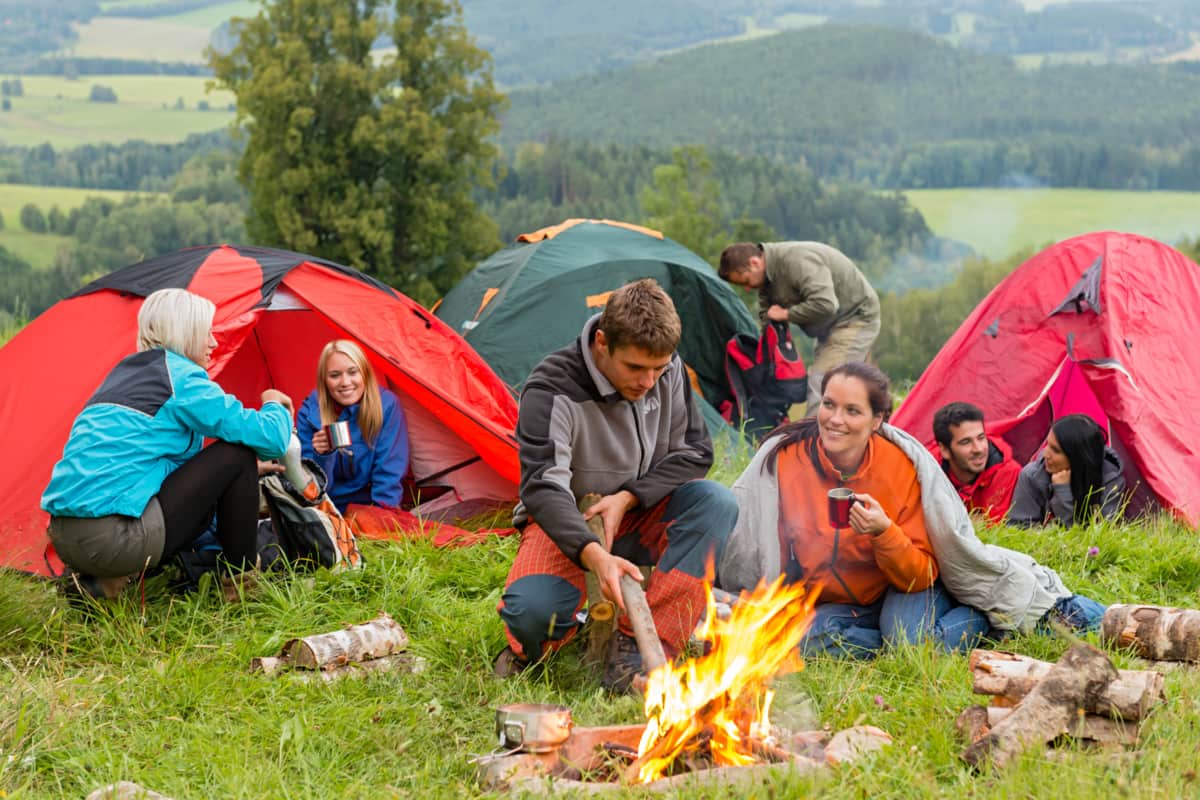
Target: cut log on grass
[[380, 637], [125, 790], [972, 723], [1012, 677], [1091, 727], [398, 662], [1155, 632], [1048, 711]]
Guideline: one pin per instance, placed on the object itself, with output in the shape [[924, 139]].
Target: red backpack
[[766, 376]]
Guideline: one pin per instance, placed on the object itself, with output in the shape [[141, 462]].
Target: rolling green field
[[56, 110], [39, 248], [999, 222], [212, 16]]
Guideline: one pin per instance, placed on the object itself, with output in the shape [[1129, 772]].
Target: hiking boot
[[624, 665], [80, 587], [239, 587], [508, 663]]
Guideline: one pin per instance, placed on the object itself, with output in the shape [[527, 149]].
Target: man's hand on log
[[611, 508], [608, 570]]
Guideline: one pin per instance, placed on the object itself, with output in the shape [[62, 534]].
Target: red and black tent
[[275, 311], [1099, 324]]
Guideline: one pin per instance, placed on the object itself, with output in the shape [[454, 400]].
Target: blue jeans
[[846, 630], [1077, 612]]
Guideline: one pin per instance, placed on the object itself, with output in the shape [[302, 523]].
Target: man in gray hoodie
[[613, 414], [815, 287]]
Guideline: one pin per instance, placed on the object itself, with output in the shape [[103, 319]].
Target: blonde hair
[[370, 408], [176, 320]]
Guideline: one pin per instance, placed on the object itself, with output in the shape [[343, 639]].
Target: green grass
[[39, 248], [149, 39], [56, 110], [161, 694], [1000, 222], [212, 16]]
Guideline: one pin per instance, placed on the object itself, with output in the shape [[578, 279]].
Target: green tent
[[533, 297]]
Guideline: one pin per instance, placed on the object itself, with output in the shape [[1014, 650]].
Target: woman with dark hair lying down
[[1076, 477]]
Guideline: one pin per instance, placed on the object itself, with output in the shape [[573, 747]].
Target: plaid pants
[[679, 536]]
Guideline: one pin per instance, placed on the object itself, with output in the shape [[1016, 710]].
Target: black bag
[[766, 376], [310, 530]]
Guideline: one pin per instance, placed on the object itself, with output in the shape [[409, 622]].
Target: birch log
[[1049, 710], [1155, 632], [380, 637], [1092, 727], [1012, 677]]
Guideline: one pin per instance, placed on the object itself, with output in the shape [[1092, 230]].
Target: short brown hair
[[643, 315], [736, 257]]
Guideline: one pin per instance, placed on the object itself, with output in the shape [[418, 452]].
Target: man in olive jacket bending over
[[613, 414], [815, 287]]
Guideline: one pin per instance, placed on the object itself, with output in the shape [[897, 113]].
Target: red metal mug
[[841, 500]]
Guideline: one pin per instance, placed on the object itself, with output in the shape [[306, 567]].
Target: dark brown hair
[[879, 395], [643, 315], [736, 257]]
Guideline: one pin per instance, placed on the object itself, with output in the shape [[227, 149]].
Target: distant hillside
[[860, 102]]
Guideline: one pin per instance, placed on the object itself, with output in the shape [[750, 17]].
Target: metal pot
[[534, 727]]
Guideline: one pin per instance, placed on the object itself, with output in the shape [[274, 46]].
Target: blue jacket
[[368, 475], [149, 416]]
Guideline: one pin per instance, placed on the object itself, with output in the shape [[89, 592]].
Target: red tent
[[275, 311], [1098, 324]]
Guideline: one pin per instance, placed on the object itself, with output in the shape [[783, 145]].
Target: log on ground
[[1159, 633], [380, 637], [1047, 712], [1012, 677]]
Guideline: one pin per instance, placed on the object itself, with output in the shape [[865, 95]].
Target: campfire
[[713, 710], [707, 719]]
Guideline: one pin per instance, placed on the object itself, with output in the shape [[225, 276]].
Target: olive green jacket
[[818, 285]]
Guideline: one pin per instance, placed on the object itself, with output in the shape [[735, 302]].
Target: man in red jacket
[[981, 469]]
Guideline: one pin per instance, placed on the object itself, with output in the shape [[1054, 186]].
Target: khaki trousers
[[848, 341]]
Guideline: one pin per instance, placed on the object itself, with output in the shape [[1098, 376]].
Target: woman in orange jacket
[[874, 565]]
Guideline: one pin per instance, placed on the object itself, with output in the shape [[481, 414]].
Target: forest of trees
[[894, 108]]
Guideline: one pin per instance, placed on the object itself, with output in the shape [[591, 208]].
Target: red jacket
[[990, 493]]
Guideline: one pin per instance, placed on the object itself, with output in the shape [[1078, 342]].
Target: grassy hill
[[39, 248], [156, 108], [1000, 222]]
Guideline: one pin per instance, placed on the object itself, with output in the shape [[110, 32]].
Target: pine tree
[[366, 156]]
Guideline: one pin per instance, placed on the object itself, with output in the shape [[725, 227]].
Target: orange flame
[[720, 700]]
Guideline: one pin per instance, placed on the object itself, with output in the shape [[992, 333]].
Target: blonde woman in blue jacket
[[134, 485]]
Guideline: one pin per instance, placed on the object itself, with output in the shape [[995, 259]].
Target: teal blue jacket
[[149, 416]]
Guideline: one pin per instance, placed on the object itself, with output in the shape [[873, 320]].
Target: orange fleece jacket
[[900, 557]]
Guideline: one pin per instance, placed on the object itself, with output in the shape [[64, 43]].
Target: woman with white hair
[[135, 484]]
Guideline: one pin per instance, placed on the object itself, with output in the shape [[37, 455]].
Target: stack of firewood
[[1034, 703]]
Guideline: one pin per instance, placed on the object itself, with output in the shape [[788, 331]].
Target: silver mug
[[339, 434]]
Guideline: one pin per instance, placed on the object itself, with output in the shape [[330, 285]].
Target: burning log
[[1048, 711], [1155, 632], [1012, 677], [375, 639]]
